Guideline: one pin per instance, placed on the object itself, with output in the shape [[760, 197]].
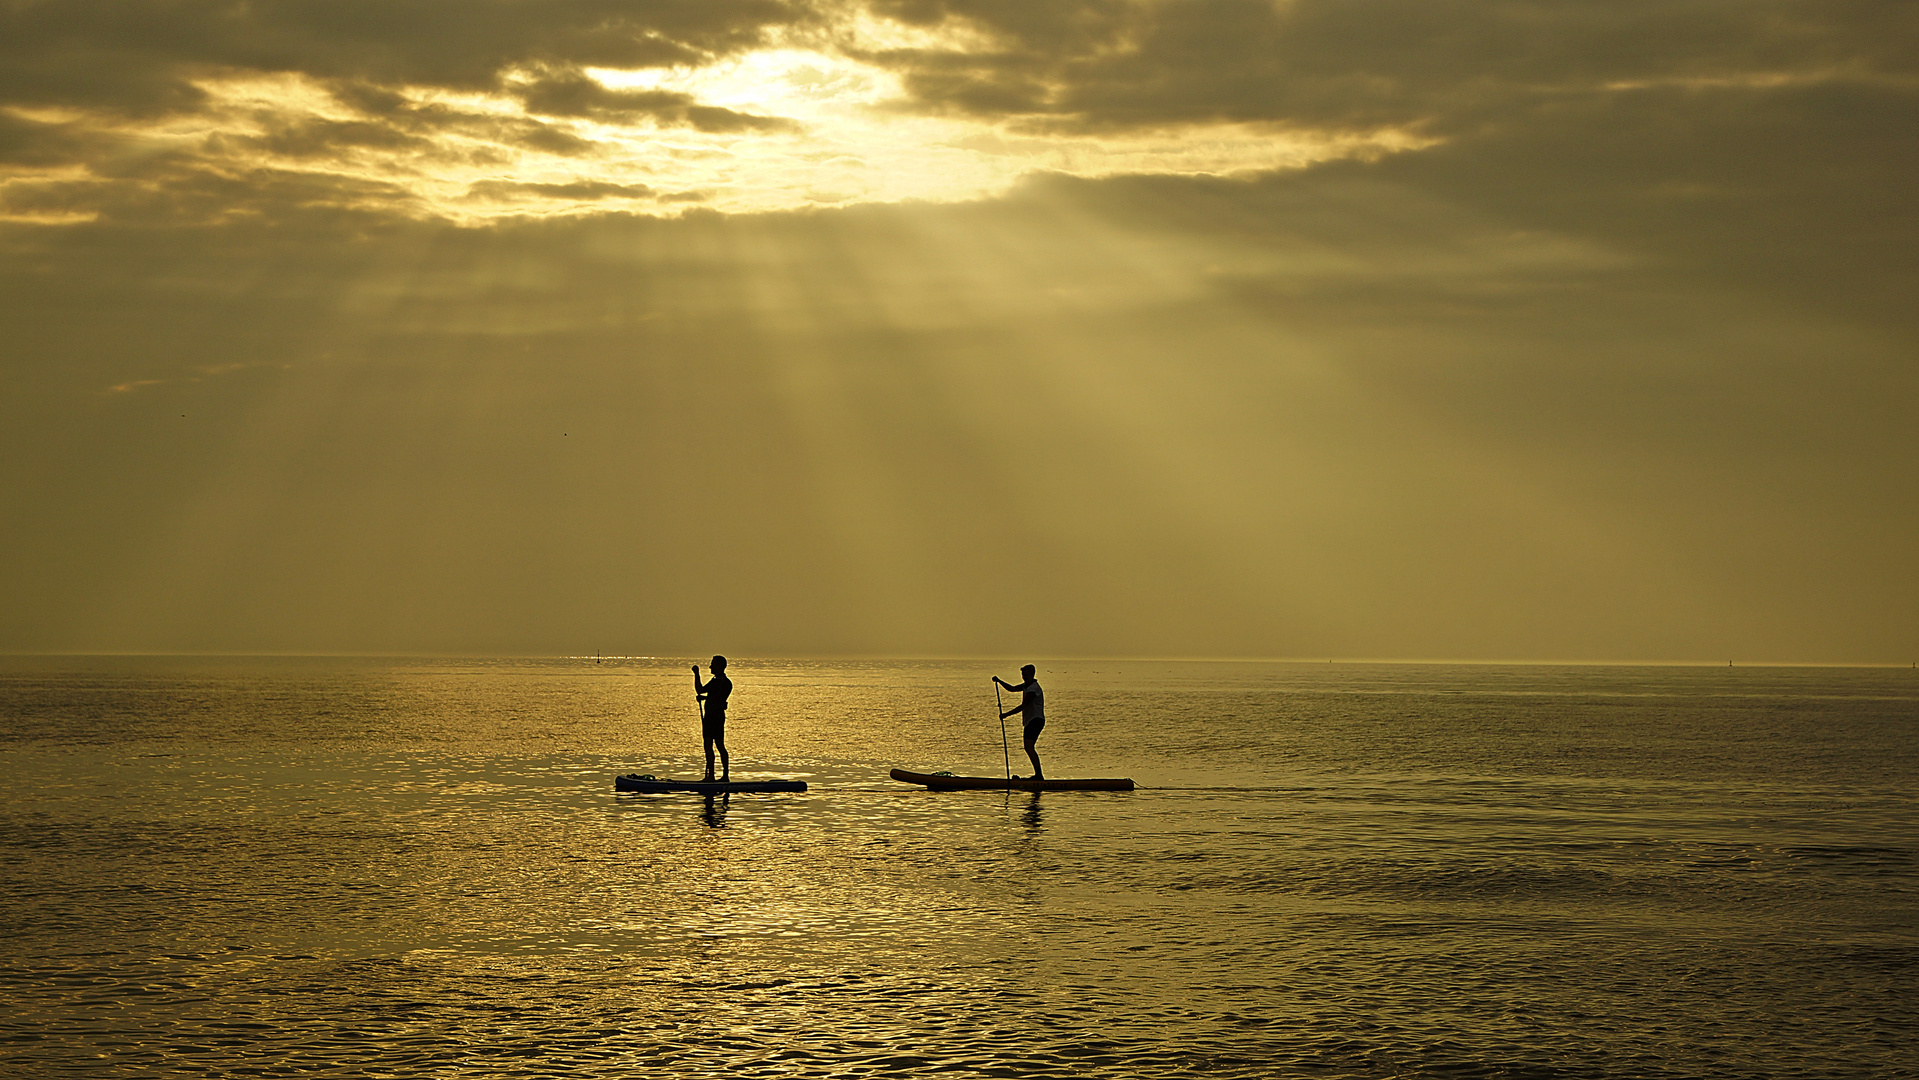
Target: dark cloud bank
[[1621, 367]]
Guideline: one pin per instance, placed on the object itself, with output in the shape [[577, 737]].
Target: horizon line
[[925, 657]]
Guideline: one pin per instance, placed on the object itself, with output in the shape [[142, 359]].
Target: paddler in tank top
[[1032, 711], [712, 695]]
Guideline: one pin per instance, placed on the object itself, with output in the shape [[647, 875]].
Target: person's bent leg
[[1038, 773]]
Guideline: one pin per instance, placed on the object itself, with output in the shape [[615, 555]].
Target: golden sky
[[1311, 328]]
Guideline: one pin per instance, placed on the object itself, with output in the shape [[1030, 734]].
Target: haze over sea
[[332, 867]]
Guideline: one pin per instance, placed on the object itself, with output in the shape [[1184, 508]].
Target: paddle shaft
[[999, 710]]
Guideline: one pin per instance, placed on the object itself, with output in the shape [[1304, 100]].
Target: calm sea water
[[419, 868]]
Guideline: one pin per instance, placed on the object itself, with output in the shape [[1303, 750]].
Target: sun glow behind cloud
[[789, 126], [856, 142]]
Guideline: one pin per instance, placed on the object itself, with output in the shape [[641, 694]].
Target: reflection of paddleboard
[[636, 782], [947, 782]]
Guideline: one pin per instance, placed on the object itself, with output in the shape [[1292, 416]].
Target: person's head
[[719, 663], [1028, 672]]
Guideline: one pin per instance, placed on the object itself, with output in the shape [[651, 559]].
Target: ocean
[[255, 867]]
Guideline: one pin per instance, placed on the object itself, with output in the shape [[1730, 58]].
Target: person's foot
[[707, 779]]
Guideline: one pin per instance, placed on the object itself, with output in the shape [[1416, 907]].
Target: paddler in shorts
[[712, 695], [1032, 710]]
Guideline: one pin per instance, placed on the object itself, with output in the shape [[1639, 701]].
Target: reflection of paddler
[[712, 695], [715, 812]]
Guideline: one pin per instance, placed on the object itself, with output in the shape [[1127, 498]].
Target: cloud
[[1098, 62], [436, 97], [144, 56], [1763, 143], [30, 143], [580, 191], [573, 93], [311, 138], [1450, 65], [374, 92]]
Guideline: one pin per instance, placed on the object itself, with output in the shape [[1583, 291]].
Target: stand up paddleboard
[[949, 782], [637, 782]]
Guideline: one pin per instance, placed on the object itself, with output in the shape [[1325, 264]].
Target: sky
[[1360, 329]]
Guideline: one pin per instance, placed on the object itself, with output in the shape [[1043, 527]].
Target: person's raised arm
[[699, 688]]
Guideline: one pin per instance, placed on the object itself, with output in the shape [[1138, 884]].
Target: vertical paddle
[[999, 710], [700, 707]]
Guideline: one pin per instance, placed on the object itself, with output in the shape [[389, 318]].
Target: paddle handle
[[999, 710]]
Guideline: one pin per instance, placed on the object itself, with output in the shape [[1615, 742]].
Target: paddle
[[999, 710], [699, 706]]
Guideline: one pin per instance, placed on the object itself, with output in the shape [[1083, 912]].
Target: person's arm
[[1014, 711], [699, 688]]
